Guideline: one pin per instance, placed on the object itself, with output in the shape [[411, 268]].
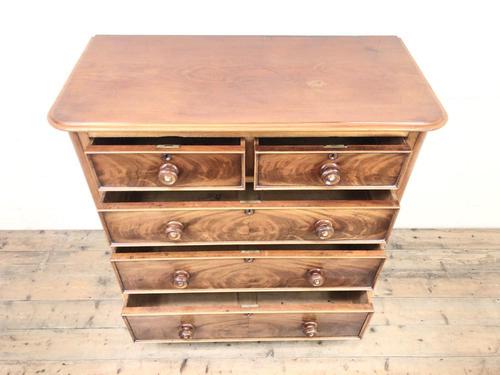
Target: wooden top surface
[[254, 83]]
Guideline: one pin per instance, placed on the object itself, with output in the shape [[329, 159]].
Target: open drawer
[[249, 217], [168, 163], [330, 163], [229, 268], [247, 316]]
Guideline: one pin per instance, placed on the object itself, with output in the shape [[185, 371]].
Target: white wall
[[456, 181]]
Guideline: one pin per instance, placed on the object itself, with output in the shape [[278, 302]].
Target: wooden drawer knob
[[330, 174], [181, 279], [186, 331], [315, 277], [174, 230], [310, 329], [324, 229], [168, 174]]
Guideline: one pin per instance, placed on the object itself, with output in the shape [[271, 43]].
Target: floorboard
[[437, 312]]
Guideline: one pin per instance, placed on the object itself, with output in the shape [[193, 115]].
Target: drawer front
[[318, 171], [149, 272], [247, 326], [151, 171], [178, 227]]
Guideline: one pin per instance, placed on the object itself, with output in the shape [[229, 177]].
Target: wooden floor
[[437, 312]]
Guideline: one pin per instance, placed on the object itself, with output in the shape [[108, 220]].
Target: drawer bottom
[[247, 316]]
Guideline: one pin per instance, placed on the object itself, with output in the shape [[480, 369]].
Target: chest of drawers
[[247, 185]]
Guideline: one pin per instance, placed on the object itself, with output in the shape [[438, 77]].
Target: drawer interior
[[249, 250], [181, 141], [339, 142], [256, 302], [247, 195]]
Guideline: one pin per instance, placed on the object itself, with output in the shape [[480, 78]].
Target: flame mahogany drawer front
[[329, 163], [180, 165], [246, 226], [247, 185], [219, 270], [238, 316]]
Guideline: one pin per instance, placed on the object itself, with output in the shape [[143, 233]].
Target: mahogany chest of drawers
[[247, 185]]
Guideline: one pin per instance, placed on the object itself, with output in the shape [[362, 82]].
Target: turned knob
[[315, 277], [310, 329], [329, 173], [181, 279], [324, 229], [174, 230], [186, 331], [168, 174]]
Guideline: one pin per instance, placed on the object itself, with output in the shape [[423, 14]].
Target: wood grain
[[246, 84], [140, 171], [102, 285], [387, 341], [390, 311], [78, 330], [235, 226], [247, 270], [420, 242], [423, 264], [247, 316], [244, 327], [246, 87], [388, 365], [302, 171]]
